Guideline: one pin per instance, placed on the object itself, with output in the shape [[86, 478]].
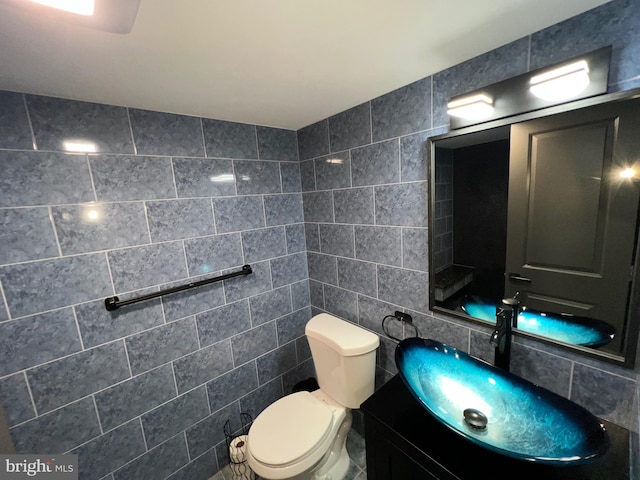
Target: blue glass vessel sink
[[574, 330], [496, 409]]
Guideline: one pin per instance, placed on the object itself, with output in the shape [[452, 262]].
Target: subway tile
[[238, 213], [255, 402], [160, 345], [614, 23], [376, 164], [548, 371], [15, 399], [333, 171], [275, 363], [210, 431], [402, 205], [211, 254], [277, 144], [15, 131], [174, 416], [322, 268], [405, 110], [253, 343], [194, 300], [197, 177], [312, 236], [499, 64], [254, 177], [404, 287], [4, 315], [34, 340], [385, 355], [139, 267], [159, 462], [291, 327], [296, 241], [56, 121], [26, 234], [44, 178], [357, 276], [337, 240], [127, 400], [28, 286], [63, 381], [157, 133], [110, 451], [98, 325], [289, 269], [231, 386], [283, 209], [350, 128], [120, 178], [313, 140], [203, 365], [202, 468], [415, 249], [379, 244], [291, 179], [247, 286], [305, 363], [308, 175], [457, 336], [354, 205], [300, 295], [318, 207], [176, 219], [95, 227], [617, 406], [263, 244], [221, 323], [229, 139], [316, 294], [414, 160], [270, 305], [58, 431], [341, 302]]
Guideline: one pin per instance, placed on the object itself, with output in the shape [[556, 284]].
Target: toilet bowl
[[303, 436]]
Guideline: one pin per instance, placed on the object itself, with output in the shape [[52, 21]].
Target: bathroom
[[144, 392]]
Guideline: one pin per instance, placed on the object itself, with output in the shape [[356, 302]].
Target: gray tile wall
[[144, 392], [364, 185]]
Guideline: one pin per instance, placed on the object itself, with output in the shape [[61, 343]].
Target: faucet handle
[[510, 302]]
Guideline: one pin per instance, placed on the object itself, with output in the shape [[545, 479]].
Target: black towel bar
[[113, 303]]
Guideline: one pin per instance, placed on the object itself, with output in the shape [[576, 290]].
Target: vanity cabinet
[[404, 442]]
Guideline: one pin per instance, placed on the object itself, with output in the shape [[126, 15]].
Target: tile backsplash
[[159, 200], [331, 218]]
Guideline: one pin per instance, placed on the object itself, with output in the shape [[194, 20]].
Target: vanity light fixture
[[474, 107], [628, 173], [80, 146], [80, 7], [561, 83]]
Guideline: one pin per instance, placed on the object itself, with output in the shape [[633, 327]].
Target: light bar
[[474, 107], [561, 83], [80, 7]]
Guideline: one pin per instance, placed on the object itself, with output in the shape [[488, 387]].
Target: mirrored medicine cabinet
[[543, 206]]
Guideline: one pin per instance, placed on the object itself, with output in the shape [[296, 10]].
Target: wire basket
[[237, 448]]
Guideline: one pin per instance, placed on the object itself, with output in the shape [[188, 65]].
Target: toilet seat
[[290, 430]]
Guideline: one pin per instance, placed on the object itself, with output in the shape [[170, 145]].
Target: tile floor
[[357, 466]]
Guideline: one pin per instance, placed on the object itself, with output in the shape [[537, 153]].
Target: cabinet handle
[[514, 277]]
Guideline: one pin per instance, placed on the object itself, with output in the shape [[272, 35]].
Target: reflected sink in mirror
[[570, 329], [496, 409]]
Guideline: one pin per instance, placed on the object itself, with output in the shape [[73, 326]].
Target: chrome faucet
[[506, 319]]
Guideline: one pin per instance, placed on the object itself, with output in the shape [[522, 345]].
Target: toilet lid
[[289, 429]]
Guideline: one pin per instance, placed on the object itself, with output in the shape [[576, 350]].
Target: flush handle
[[514, 277]]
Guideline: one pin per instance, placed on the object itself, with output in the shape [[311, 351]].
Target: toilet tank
[[345, 358]]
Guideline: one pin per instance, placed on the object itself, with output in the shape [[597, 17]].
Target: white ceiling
[[280, 63]]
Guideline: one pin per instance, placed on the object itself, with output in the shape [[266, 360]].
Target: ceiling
[[280, 63]]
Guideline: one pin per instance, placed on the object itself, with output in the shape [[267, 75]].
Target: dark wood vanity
[[404, 442]]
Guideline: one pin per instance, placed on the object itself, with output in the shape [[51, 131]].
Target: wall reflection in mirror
[[546, 209]]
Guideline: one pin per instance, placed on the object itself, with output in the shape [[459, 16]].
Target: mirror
[[543, 207]]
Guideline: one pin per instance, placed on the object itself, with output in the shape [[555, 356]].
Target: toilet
[[303, 436]]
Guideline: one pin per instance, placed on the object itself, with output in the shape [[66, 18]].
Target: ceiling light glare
[[80, 7], [628, 173], [474, 107], [80, 147], [561, 83]]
